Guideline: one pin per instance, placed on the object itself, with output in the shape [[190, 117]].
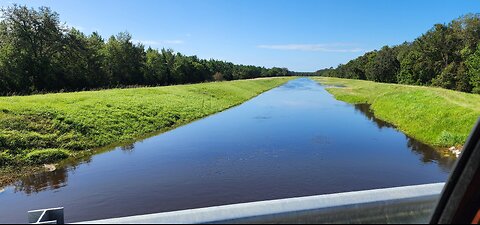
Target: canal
[[295, 140]]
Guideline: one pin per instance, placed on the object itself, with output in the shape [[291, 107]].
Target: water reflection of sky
[[295, 140]]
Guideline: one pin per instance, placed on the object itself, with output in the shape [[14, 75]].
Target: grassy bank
[[439, 117], [43, 129]]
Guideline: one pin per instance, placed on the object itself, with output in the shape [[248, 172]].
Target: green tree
[[446, 79], [473, 70], [35, 37], [383, 66], [39, 53], [168, 59], [441, 57], [155, 68], [124, 60]]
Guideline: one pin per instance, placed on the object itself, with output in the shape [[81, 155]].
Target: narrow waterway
[[295, 140]]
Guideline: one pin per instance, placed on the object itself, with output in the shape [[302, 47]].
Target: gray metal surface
[[46, 216], [410, 204]]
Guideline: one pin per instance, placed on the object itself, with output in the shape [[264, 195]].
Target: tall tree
[[473, 68], [444, 56], [39, 53], [35, 36], [124, 60]]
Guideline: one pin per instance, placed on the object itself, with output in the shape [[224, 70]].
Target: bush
[[46, 156], [6, 159], [447, 139]]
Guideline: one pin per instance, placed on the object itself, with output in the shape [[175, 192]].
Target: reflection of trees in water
[[42, 181], [48, 180], [128, 148], [56, 179], [427, 153], [365, 110]]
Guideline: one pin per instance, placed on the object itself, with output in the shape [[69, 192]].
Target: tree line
[[447, 56], [39, 53]]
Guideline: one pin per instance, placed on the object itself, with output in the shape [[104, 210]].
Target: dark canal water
[[295, 140]]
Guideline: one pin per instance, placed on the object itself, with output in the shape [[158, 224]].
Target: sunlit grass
[[436, 116], [60, 124]]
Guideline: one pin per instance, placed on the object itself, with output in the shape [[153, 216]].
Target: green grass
[[45, 156], [439, 117], [42, 129]]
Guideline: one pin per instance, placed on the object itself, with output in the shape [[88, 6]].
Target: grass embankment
[[42, 129], [439, 117]]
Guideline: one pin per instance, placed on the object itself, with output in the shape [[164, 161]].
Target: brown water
[[295, 140]]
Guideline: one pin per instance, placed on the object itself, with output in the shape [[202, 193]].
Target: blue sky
[[302, 35]]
